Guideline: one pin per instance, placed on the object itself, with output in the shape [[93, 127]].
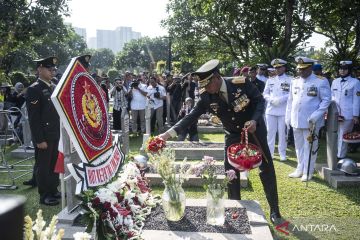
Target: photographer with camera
[[174, 89], [137, 94], [156, 94], [120, 94]]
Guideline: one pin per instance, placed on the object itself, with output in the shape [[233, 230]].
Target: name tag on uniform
[[285, 87], [312, 91]]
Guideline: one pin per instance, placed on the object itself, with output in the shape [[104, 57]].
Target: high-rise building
[[81, 32], [115, 39], [91, 43]]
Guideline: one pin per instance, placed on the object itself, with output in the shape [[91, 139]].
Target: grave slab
[[197, 150], [258, 224], [156, 180], [338, 179], [22, 153]]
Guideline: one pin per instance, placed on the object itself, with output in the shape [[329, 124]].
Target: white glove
[[275, 101], [311, 122]]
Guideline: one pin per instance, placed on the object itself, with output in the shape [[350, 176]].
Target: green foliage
[[16, 77], [339, 20], [112, 73], [235, 30], [31, 78], [143, 53], [22, 23], [102, 59], [160, 66]]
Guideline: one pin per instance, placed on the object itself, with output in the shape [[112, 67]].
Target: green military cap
[[47, 62], [206, 71], [85, 60]]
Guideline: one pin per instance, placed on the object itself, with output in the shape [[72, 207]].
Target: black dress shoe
[[30, 182], [56, 195], [275, 218], [50, 201]]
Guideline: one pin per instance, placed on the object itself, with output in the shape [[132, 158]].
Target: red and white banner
[[82, 108]]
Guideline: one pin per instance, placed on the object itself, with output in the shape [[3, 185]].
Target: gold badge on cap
[[300, 61], [87, 58], [55, 61], [277, 61]]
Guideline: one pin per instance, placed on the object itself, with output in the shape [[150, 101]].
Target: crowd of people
[[267, 100]]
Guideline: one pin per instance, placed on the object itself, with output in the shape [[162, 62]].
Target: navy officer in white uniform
[[276, 94], [345, 91], [308, 101]]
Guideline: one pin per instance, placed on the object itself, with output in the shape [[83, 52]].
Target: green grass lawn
[[318, 204]]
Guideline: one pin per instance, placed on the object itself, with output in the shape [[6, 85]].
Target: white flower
[[81, 236], [106, 195]]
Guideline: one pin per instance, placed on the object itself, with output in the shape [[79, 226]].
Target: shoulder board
[[202, 90], [238, 80], [320, 77]]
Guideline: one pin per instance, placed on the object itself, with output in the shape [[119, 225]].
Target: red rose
[[107, 205], [96, 201], [130, 234], [155, 144]]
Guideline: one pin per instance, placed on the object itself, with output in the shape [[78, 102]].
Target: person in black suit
[[238, 104], [45, 129], [258, 83]]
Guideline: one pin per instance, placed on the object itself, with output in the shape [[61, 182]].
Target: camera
[[134, 84], [157, 93]]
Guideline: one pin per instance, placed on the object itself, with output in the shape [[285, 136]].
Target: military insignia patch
[[237, 93], [241, 103], [214, 107], [312, 91], [285, 87], [238, 80]]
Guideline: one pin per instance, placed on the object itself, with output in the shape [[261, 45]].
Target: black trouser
[[45, 160], [267, 171], [117, 119]]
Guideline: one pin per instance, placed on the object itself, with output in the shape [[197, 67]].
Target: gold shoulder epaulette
[[321, 77], [238, 80], [202, 90]]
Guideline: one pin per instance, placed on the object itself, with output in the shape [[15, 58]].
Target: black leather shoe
[[30, 182], [56, 195], [50, 201], [275, 218]]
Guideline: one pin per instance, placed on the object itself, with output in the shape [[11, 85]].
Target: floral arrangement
[[35, 230], [119, 208], [206, 170], [155, 144], [244, 155], [173, 199]]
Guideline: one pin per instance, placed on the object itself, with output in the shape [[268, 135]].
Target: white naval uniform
[[262, 78], [276, 94], [346, 93], [308, 101]]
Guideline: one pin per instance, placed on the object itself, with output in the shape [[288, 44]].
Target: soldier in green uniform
[[238, 104], [45, 130]]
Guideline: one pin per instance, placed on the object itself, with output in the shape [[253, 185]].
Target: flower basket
[[155, 144], [244, 155], [353, 137]]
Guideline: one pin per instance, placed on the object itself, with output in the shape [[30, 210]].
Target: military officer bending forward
[[238, 103]]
